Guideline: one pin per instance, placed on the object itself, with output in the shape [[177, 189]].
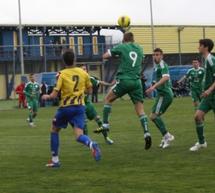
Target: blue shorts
[[74, 115]]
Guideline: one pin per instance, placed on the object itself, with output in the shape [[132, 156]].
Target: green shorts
[[207, 104], [90, 111], [131, 87], [162, 102], [196, 95], [32, 105]]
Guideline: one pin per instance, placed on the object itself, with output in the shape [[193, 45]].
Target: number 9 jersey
[[131, 57], [72, 83]]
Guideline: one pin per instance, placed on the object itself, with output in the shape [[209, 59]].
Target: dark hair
[[68, 57], [128, 37], [207, 43], [196, 59], [32, 74], [158, 50]]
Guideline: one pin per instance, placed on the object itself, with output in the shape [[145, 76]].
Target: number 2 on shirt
[[133, 57], [75, 78]]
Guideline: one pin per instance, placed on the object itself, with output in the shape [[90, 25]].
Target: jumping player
[[128, 81]]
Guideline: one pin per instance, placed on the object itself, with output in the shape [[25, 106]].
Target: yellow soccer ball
[[124, 21]]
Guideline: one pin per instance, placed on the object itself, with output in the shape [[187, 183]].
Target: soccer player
[[91, 112], [72, 83], [164, 96], [195, 76], [208, 96], [128, 81], [32, 93]]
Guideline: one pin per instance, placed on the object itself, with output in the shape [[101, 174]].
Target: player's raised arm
[[106, 55]]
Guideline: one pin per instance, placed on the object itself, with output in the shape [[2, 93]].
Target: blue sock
[[84, 139], [54, 143]]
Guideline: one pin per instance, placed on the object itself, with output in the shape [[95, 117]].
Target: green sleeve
[[164, 69], [188, 74], [26, 91], [38, 92], [94, 81], [116, 51], [213, 67]]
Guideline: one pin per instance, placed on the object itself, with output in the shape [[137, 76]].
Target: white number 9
[[133, 56]]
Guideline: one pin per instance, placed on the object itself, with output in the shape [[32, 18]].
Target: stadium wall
[[167, 37]]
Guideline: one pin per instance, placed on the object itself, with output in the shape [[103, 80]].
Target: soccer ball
[[124, 21]]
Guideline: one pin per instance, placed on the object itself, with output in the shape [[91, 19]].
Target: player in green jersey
[[195, 77], [91, 113], [128, 81], [208, 95], [32, 93], [164, 96]]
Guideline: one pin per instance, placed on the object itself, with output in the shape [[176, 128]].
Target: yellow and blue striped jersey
[[72, 83]]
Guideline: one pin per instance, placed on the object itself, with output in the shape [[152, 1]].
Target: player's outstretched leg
[[84, 139], [199, 117], [167, 137], [54, 143], [102, 130], [109, 99], [144, 122]]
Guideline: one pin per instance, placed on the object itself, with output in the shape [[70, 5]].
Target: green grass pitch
[[125, 166]]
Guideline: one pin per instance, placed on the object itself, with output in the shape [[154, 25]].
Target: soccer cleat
[[167, 139], [198, 146], [148, 140], [31, 124], [95, 151], [100, 129], [28, 120], [52, 164], [109, 141], [161, 144]]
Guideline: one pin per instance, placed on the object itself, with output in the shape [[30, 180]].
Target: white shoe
[[32, 124], [198, 146], [166, 140], [27, 119], [162, 142]]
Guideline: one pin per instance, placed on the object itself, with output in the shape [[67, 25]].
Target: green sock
[[144, 123], [98, 121], [106, 113], [105, 134], [200, 132], [34, 115], [30, 116], [160, 125]]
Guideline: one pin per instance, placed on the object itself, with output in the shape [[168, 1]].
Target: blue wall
[[52, 52]]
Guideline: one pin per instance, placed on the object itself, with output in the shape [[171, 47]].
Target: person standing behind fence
[[95, 90], [43, 90], [20, 91]]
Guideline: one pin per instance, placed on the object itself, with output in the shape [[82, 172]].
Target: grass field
[[125, 167]]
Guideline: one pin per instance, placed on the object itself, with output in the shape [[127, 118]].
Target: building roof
[[106, 13]]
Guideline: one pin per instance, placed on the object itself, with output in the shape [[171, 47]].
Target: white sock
[[105, 125], [55, 159]]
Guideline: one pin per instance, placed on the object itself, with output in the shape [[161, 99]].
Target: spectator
[[20, 91], [95, 92], [43, 90]]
